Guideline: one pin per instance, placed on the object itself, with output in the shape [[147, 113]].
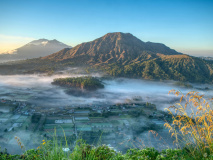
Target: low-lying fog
[[37, 89]]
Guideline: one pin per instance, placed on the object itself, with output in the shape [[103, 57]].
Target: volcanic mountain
[[122, 55], [113, 47], [34, 49]]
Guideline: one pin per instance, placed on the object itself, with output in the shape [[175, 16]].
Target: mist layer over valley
[[37, 89], [68, 107]]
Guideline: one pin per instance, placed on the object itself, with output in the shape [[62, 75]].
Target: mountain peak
[[114, 47], [34, 49], [117, 34], [43, 42]]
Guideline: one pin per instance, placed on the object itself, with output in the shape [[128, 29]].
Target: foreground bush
[[88, 152]]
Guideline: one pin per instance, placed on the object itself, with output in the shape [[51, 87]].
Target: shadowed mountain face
[[34, 49], [114, 47]]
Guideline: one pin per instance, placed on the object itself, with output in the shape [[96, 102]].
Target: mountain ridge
[[114, 47], [121, 55]]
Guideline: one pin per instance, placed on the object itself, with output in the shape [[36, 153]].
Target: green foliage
[[80, 82], [82, 151], [176, 154], [137, 154], [180, 69]]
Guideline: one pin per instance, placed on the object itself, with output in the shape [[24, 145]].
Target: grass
[[193, 124], [193, 132], [51, 150]]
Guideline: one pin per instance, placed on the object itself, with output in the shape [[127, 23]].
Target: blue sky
[[184, 25]]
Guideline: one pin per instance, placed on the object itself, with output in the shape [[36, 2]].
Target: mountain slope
[[34, 49], [122, 55], [114, 47], [166, 67]]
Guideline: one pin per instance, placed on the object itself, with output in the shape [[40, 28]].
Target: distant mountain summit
[[35, 49], [114, 47]]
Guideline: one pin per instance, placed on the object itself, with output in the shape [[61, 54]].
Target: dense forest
[[88, 83], [179, 69], [182, 68]]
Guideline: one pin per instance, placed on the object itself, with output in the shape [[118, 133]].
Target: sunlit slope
[[113, 47]]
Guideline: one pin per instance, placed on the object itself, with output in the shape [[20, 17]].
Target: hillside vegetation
[[89, 83], [180, 68]]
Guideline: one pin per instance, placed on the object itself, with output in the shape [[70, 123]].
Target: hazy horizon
[[207, 53]]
